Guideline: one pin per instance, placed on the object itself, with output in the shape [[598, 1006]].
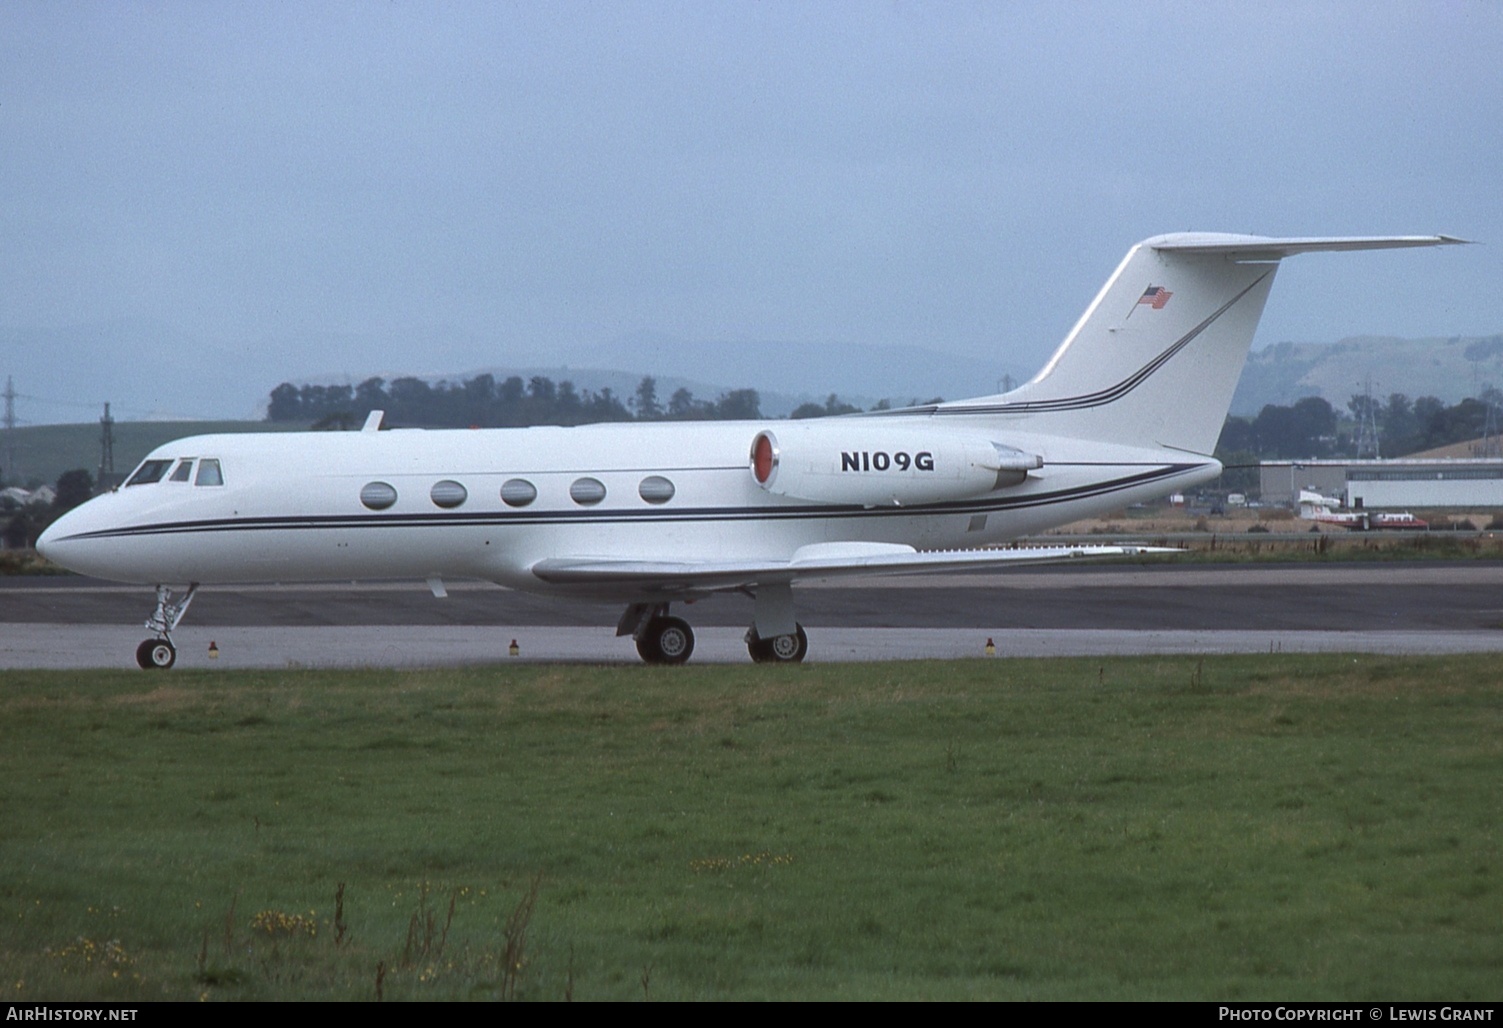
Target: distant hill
[[803, 372], [1468, 449], [43, 452], [151, 371], [1450, 369]]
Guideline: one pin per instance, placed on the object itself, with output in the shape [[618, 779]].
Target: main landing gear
[[660, 639], [158, 651], [663, 639], [775, 637], [780, 649]]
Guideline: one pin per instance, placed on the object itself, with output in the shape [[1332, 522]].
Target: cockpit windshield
[[150, 471], [209, 471]]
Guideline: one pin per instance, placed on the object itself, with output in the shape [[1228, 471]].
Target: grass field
[[1233, 828]]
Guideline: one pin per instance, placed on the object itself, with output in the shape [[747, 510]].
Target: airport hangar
[[1472, 483]]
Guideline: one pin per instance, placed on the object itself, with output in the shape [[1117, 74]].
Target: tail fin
[[1156, 356]]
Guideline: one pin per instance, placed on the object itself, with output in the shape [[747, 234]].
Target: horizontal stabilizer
[[1263, 248], [837, 560]]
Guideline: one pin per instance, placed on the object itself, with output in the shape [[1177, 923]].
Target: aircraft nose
[[86, 540], [64, 542], [50, 543]]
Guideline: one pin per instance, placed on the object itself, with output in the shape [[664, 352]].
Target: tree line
[[483, 402], [1312, 428]]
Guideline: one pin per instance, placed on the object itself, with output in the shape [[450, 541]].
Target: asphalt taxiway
[[1077, 610]]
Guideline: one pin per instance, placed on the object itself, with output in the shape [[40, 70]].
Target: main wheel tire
[[790, 649], [780, 649], [759, 648], [666, 641], [155, 654]]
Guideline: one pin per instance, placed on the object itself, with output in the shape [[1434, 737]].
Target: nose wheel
[[156, 653]]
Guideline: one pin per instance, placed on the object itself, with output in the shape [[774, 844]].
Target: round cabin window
[[518, 492], [448, 494], [655, 489], [378, 495], [587, 491]]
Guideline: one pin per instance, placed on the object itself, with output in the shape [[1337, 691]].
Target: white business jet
[[1128, 409]]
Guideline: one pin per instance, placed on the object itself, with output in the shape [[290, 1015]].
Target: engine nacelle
[[847, 461]]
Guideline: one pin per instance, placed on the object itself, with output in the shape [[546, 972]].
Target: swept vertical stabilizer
[[1156, 356]]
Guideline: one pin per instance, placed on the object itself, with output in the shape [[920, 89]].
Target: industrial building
[[1470, 483]]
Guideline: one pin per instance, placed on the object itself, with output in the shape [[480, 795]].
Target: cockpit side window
[[150, 471], [209, 473], [184, 470]]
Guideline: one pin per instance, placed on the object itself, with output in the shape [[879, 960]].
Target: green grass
[[1234, 828]]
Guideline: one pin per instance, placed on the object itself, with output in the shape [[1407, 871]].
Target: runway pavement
[[1098, 610]]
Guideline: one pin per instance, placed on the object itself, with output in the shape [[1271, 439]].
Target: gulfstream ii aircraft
[[1128, 409]]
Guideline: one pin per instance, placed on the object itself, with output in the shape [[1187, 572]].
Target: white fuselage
[[290, 508], [1127, 409]]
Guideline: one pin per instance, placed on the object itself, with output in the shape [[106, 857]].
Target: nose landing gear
[[158, 651]]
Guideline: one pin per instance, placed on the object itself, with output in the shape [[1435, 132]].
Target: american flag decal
[[1155, 297]]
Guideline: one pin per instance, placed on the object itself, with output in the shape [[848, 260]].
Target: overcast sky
[[334, 186]]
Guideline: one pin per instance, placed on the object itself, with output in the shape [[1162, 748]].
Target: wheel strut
[[159, 651]]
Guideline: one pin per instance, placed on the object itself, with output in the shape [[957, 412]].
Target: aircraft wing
[[820, 560]]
